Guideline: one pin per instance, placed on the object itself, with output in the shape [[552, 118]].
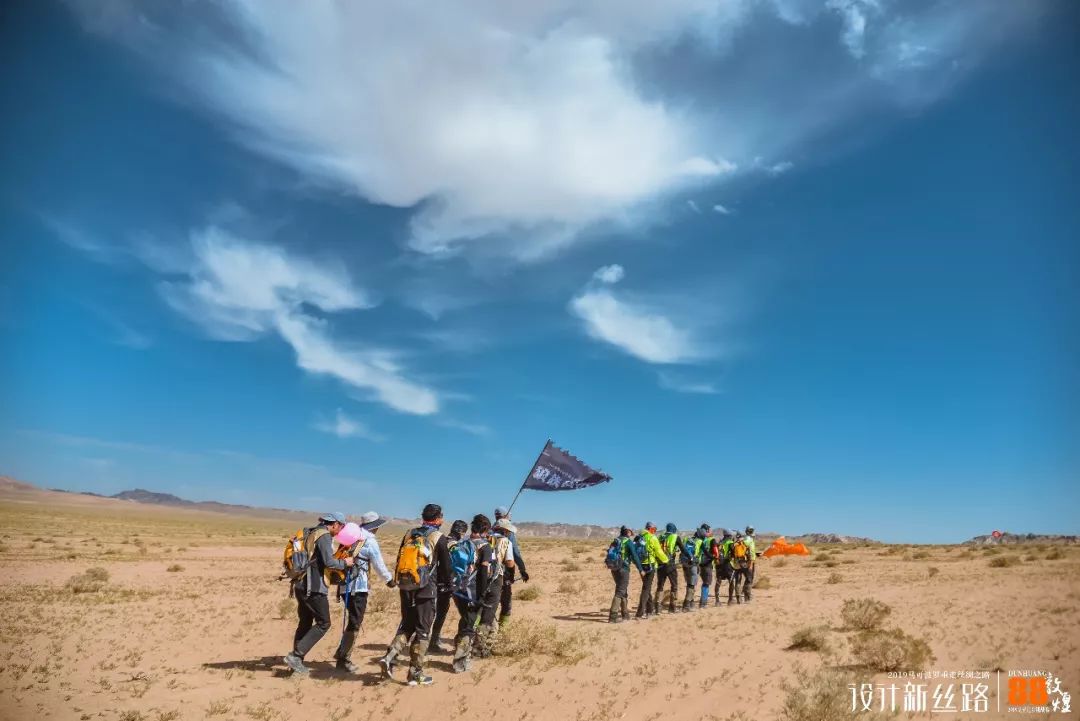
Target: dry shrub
[[381, 599], [834, 578], [932, 571], [822, 696], [569, 565], [1003, 561], [780, 562], [1056, 555], [891, 650], [522, 637], [762, 582], [810, 638], [864, 614], [92, 580], [287, 608], [529, 593], [175, 568], [568, 585]]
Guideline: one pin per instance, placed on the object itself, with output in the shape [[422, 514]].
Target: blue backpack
[[690, 549], [463, 568], [613, 557], [641, 547]]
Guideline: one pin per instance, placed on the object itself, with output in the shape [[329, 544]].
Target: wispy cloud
[[721, 209], [343, 426], [519, 128], [673, 382], [633, 326], [475, 429], [239, 290]]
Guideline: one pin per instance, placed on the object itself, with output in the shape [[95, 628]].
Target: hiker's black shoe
[[419, 679], [295, 663], [345, 664], [387, 664]]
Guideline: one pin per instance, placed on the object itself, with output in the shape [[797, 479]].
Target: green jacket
[[654, 552], [670, 542]]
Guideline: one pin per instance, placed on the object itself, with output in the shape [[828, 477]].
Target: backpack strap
[[312, 537]]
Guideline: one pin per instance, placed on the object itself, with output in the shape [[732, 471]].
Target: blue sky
[[811, 266]]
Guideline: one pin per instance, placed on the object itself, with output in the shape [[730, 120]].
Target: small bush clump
[[822, 696], [526, 637], [891, 650], [932, 571], [1003, 561], [568, 585], [175, 568], [1055, 555], [864, 614], [530, 593], [92, 580], [834, 578], [287, 608], [762, 582], [810, 638]]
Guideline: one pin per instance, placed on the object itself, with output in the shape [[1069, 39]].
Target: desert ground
[[189, 621]]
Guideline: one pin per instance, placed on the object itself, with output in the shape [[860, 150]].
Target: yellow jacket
[[654, 552]]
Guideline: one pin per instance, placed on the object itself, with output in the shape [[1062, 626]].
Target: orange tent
[[781, 547]]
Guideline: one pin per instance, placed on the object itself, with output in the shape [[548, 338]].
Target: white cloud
[[512, 128], [238, 290], [344, 426], [609, 274], [721, 209], [634, 327], [672, 382]]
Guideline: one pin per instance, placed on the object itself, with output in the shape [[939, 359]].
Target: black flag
[[557, 470]]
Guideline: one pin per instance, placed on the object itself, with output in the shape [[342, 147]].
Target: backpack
[[413, 569], [691, 549], [462, 567], [338, 576], [300, 552], [740, 554], [712, 549], [613, 557], [500, 549], [641, 547], [670, 542]]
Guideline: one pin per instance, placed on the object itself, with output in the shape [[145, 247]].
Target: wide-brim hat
[[371, 520]]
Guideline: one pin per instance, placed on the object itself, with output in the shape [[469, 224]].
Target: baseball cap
[[334, 517]]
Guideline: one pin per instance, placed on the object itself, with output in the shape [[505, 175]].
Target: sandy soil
[[191, 624]]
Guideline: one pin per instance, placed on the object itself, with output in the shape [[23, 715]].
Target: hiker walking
[[506, 600], [621, 553], [690, 558], [740, 570], [470, 583], [723, 561], [502, 560], [366, 554], [312, 605], [751, 547], [668, 572], [444, 582], [709, 553], [652, 555], [415, 577]]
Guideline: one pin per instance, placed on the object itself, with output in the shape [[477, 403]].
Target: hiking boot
[[461, 665], [345, 664], [419, 679], [387, 663], [436, 647], [295, 663]]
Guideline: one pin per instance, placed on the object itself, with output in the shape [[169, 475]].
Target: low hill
[[1008, 539]]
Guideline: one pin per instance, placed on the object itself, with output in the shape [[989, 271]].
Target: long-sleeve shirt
[[313, 581], [519, 562], [368, 555], [654, 553], [628, 553], [444, 572]]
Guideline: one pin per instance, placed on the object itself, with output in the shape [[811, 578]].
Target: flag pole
[[527, 475]]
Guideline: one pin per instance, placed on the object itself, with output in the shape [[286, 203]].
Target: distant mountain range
[[1008, 539]]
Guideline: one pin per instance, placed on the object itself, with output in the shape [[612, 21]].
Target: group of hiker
[[474, 566], [704, 557]]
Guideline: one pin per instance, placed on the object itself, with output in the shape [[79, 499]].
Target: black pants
[[621, 576], [355, 611], [506, 601], [468, 615], [646, 603], [706, 580], [442, 607], [491, 602], [669, 573], [417, 615], [313, 621]]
